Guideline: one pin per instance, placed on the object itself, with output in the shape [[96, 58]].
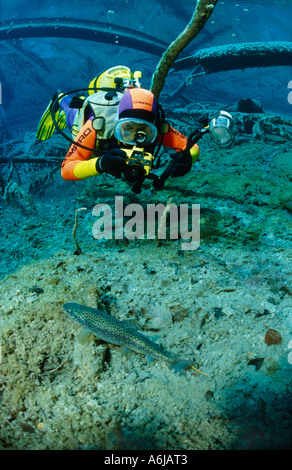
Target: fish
[[123, 333]]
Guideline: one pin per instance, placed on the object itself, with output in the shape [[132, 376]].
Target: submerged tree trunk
[[237, 56], [201, 15], [81, 29]]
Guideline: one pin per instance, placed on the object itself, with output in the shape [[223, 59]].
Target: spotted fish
[[122, 333]]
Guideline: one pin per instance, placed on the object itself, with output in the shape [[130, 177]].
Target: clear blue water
[[31, 68], [216, 304]]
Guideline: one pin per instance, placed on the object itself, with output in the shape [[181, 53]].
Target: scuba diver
[[117, 129], [137, 124], [117, 116]]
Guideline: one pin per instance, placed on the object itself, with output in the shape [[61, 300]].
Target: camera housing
[[139, 163]]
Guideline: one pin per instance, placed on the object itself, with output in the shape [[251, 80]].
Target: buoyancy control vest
[[102, 109]]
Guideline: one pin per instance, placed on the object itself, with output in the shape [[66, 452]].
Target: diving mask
[[135, 132]]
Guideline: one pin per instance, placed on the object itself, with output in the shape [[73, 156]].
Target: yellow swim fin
[[60, 117], [46, 125]]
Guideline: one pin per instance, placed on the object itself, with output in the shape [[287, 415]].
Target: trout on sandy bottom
[[121, 333]]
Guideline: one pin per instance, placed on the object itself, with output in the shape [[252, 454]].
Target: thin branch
[[78, 249], [203, 11]]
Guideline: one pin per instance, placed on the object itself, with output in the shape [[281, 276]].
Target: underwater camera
[[139, 164]]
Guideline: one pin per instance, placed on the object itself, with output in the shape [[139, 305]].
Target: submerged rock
[[17, 196]]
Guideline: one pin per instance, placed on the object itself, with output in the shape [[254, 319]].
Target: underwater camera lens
[[134, 172]]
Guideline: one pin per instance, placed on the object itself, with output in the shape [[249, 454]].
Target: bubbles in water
[[110, 14]]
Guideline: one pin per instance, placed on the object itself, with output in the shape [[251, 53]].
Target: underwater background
[[226, 305]]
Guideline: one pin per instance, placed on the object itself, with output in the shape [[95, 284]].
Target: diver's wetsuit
[[78, 165]]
